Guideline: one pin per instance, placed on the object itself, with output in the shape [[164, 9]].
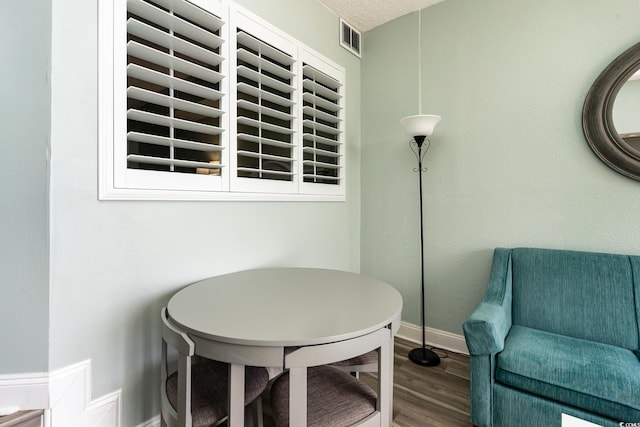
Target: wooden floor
[[429, 396], [424, 396]]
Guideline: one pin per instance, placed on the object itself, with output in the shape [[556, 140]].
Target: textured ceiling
[[367, 14]]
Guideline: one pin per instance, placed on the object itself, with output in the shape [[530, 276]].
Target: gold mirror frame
[[597, 118]]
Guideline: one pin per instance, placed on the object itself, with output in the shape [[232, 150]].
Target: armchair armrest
[[486, 329], [488, 325], [485, 332]]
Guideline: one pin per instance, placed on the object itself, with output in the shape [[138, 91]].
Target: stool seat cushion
[[334, 398], [210, 390], [364, 359]]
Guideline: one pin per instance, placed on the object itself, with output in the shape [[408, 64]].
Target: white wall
[[509, 165], [115, 264]]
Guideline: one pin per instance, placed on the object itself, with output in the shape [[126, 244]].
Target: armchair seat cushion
[[596, 377]]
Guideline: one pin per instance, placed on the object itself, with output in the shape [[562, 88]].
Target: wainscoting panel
[[65, 395], [24, 391]]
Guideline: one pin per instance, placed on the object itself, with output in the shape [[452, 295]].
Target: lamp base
[[424, 357]]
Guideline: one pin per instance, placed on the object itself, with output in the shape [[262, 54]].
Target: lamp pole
[[422, 356]]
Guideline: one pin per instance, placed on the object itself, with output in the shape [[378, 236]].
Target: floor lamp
[[420, 127]]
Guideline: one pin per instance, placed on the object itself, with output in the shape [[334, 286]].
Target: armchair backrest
[[593, 296]]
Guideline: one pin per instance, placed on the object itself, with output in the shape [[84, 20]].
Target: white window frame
[[117, 182]]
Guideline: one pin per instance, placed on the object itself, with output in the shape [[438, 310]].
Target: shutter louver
[[174, 104], [322, 141], [265, 117]]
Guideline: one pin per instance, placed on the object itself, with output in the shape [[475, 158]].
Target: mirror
[[626, 112], [616, 93]]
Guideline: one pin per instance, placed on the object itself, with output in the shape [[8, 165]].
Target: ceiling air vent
[[350, 38]]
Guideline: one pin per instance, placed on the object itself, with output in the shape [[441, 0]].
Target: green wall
[[509, 165], [24, 214]]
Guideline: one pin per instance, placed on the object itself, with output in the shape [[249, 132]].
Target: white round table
[[251, 317]]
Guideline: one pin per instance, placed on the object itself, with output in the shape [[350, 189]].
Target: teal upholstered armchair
[[557, 332]]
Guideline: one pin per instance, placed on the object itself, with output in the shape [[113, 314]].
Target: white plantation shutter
[[173, 87], [265, 137], [322, 128], [203, 100]]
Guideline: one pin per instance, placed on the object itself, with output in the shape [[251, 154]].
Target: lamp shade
[[420, 124]]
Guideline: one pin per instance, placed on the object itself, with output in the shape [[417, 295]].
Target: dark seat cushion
[[334, 398], [210, 388], [596, 377], [364, 359]]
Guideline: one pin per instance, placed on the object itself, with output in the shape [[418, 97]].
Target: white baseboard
[[24, 391], [433, 337], [65, 394]]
